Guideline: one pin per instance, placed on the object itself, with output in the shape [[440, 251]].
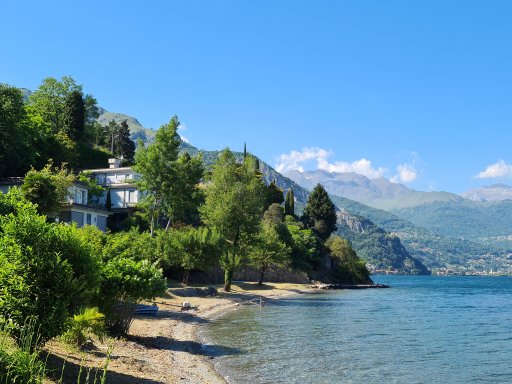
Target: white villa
[[118, 181], [77, 208]]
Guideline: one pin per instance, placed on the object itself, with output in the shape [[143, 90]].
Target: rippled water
[[422, 330]]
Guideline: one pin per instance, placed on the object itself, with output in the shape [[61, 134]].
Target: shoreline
[[167, 348]]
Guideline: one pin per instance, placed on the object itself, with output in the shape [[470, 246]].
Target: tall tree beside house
[[233, 207], [111, 132], [48, 100], [124, 146], [170, 181], [320, 213], [16, 151], [47, 188], [73, 119], [289, 203]]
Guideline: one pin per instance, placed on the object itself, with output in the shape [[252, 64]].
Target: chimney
[[114, 163]]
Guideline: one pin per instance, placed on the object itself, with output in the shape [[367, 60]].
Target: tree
[[320, 213], [274, 194], [233, 205], [270, 249], [289, 203], [170, 182], [48, 100], [112, 131], [16, 151], [47, 188], [73, 115], [198, 247], [351, 269], [124, 146]]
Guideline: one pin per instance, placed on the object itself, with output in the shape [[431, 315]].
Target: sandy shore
[[166, 348]]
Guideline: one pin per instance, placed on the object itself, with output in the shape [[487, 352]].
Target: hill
[[137, 130]]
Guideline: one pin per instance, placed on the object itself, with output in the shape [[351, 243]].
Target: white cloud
[[183, 127], [406, 174], [295, 160], [362, 167], [498, 169]]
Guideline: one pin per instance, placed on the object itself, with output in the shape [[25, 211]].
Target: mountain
[[366, 238], [378, 193], [485, 219], [137, 130], [495, 192], [379, 249]]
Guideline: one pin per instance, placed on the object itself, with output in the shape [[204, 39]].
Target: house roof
[[110, 170]]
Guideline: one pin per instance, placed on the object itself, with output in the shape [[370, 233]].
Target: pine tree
[[289, 204], [73, 119], [124, 146], [320, 213]]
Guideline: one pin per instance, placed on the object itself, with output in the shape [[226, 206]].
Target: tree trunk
[[262, 273], [186, 274], [228, 278]]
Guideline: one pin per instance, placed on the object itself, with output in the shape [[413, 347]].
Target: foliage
[[88, 322], [49, 100], [94, 189], [35, 280], [47, 188], [126, 281], [124, 147], [273, 195], [289, 204], [233, 207], [46, 270], [274, 214], [270, 249], [197, 248], [320, 212], [74, 115], [21, 363], [16, 151], [305, 245], [171, 182], [351, 269]]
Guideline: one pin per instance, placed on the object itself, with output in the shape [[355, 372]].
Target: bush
[[88, 322], [46, 270], [124, 282]]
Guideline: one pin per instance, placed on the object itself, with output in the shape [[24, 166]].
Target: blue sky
[[416, 91]]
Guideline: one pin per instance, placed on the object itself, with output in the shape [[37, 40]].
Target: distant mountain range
[[495, 192], [378, 193]]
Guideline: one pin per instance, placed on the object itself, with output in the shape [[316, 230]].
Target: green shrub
[[124, 282], [46, 270], [88, 322]]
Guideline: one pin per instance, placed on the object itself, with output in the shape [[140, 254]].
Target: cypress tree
[[74, 115], [320, 213], [289, 203], [124, 146]]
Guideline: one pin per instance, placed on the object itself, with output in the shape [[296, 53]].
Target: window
[[88, 219]]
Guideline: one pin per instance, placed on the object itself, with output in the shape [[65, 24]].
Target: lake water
[[422, 330]]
